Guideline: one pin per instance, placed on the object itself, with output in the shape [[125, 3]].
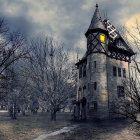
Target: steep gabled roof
[[120, 44], [117, 41]]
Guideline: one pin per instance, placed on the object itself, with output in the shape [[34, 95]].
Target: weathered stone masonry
[[101, 70]]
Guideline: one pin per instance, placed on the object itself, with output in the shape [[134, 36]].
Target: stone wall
[[98, 75], [102, 74]]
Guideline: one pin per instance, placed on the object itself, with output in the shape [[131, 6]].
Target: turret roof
[[96, 22]]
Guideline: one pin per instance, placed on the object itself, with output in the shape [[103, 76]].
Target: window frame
[[119, 72], [124, 72], [95, 64], [115, 71], [95, 85]]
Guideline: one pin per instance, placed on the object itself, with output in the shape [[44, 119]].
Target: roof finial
[[96, 5]]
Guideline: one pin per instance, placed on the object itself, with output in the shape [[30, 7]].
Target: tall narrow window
[[94, 64], [114, 71], [84, 91], [119, 72], [88, 86], [84, 71], [80, 93], [120, 91], [95, 85], [80, 72], [124, 73], [95, 106], [89, 66]]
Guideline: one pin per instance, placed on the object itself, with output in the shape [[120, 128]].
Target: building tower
[[102, 69]]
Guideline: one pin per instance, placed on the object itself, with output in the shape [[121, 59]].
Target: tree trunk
[[23, 113], [53, 115], [15, 111]]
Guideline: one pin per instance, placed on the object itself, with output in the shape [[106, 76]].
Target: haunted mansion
[[101, 70]]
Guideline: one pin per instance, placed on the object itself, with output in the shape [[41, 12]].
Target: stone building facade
[[101, 70]]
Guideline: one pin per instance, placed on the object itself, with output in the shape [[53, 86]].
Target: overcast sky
[[66, 20]]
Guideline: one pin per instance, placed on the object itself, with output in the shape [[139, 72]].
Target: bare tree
[[12, 48], [52, 74], [130, 105]]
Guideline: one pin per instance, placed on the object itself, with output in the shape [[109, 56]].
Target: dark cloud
[[67, 19]]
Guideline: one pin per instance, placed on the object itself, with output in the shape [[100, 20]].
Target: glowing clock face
[[102, 38]]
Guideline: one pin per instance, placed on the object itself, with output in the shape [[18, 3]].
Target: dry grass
[[108, 130], [29, 127]]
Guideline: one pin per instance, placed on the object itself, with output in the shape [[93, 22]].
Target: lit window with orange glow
[[102, 38]]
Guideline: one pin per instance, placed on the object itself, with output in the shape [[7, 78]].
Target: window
[[114, 71], [80, 72], [94, 64], [95, 85], [95, 106], [124, 73], [80, 93], [80, 89], [84, 87], [84, 91], [84, 71], [119, 72], [102, 38], [88, 86], [120, 91], [89, 66]]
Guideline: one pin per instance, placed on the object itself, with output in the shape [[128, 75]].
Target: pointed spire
[[96, 5], [96, 22]]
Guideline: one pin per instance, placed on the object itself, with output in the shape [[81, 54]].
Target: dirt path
[[105, 130], [63, 130], [108, 130]]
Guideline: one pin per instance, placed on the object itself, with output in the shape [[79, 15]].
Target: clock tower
[[101, 70]]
